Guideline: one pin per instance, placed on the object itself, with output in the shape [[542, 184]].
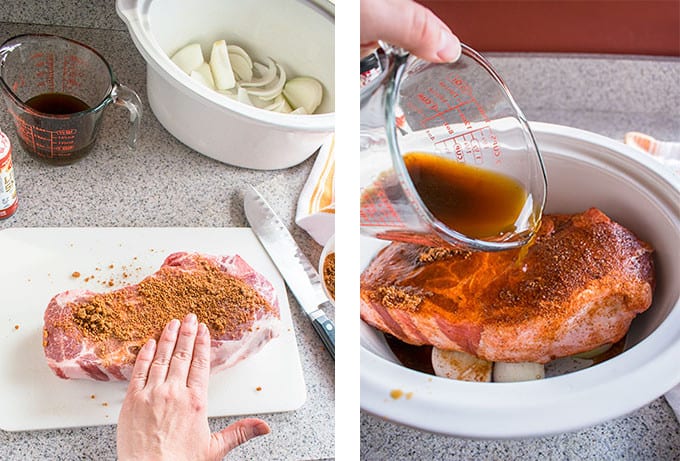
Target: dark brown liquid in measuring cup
[[56, 104], [476, 202]]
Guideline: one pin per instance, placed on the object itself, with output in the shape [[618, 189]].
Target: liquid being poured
[[475, 202]]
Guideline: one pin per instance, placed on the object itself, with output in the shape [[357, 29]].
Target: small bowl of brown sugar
[[327, 269]]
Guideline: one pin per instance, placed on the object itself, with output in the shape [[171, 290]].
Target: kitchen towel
[[315, 211], [667, 153]]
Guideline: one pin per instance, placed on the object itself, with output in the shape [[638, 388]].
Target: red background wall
[[598, 26]]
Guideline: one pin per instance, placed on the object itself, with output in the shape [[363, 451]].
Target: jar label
[[8, 190]]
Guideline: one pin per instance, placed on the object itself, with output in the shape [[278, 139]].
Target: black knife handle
[[326, 331]]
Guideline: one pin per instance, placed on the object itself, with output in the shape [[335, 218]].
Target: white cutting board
[[37, 263]]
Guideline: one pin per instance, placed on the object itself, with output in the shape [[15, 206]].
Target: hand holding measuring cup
[[409, 25], [447, 157], [56, 90]]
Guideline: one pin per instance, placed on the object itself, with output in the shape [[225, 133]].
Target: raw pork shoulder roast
[[97, 336], [578, 287]]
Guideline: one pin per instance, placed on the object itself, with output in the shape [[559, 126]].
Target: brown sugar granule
[[398, 298], [75, 274], [329, 274], [110, 282], [258, 388], [93, 396], [111, 266], [105, 404], [218, 299], [16, 327], [429, 255]]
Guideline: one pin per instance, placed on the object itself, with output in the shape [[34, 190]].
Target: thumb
[[409, 25], [235, 434]]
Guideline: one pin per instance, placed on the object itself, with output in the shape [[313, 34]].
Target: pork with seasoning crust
[[89, 335], [578, 287]]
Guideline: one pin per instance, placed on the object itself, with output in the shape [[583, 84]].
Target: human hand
[[409, 25], [164, 412]]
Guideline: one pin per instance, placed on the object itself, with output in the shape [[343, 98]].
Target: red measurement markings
[[413, 108], [439, 114], [52, 144], [72, 73], [377, 211], [461, 85], [44, 71], [18, 84], [452, 94], [478, 146]]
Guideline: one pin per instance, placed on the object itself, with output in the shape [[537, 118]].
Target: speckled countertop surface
[[608, 95], [164, 183], [161, 184]]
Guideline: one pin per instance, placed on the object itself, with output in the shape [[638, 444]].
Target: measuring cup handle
[[124, 96]]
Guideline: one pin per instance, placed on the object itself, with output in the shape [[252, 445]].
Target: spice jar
[[8, 190]]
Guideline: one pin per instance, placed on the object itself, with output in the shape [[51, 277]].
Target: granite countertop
[[162, 183], [608, 95]]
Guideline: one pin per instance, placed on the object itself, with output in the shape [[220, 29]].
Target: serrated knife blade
[[299, 274]]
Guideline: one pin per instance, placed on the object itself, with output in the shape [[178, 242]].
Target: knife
[[299, 274]]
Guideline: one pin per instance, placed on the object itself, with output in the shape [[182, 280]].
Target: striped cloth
[[667, 153], [316, 205]]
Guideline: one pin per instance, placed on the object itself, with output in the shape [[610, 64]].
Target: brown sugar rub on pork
[[89, 335], [579, 286]]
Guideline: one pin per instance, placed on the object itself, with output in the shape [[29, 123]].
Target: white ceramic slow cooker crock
[[584, 170], [297, 34]]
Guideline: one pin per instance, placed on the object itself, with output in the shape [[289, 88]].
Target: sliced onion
[[460, 365], [261, 68], [242, 69], [277, 104], [270, 91], [594, 352], [304, 92], [231, 72], [259, 102], [203, 75], [222, 73], [285, 109], [231, 93], [242, 96], [233, 49], [506, 372], [267, 74], [189, 58]]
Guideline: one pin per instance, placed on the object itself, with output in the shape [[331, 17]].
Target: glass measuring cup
[[462, 117], [56, 90]]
